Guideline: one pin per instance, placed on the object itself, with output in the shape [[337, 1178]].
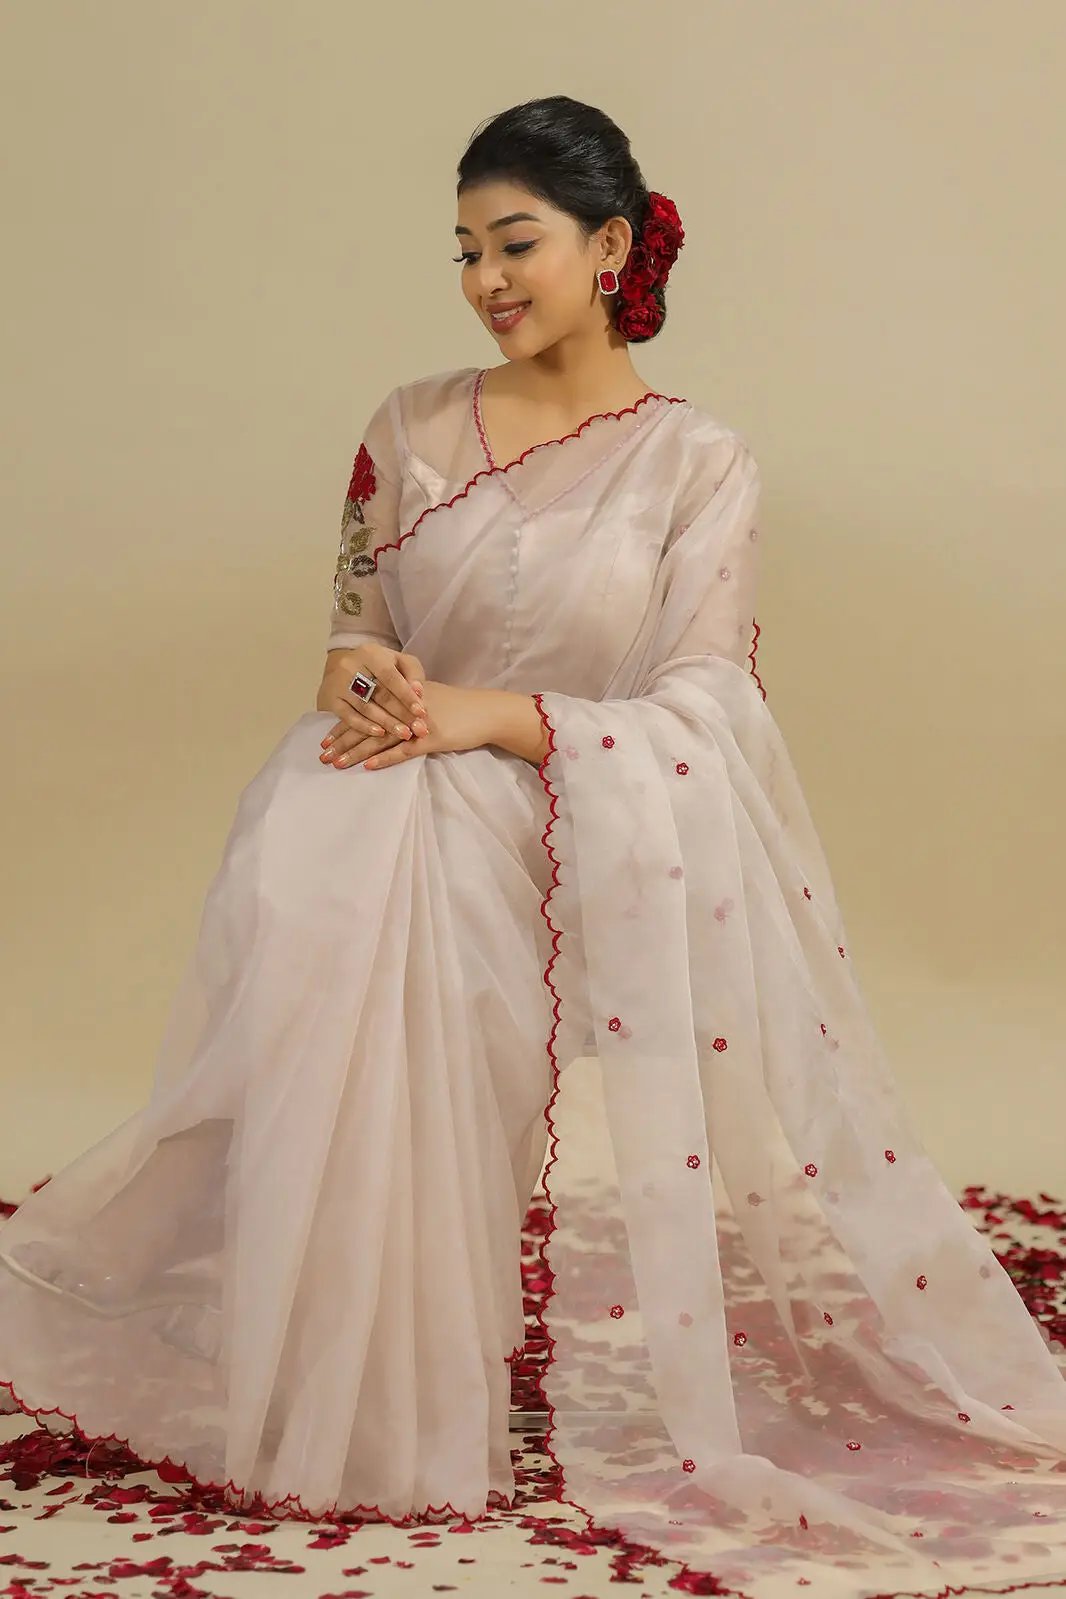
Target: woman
[[543, 752]]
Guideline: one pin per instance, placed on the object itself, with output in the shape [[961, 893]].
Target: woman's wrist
[[514, 724]]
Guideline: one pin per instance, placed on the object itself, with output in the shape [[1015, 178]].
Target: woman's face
[[518, 250]]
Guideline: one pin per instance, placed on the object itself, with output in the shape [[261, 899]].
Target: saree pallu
[[779, 1349]]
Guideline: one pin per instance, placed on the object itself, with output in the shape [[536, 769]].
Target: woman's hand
[[395, 713], [458, 719]]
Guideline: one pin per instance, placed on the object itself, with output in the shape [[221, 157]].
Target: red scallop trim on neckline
[[496, 471], [597, 416]]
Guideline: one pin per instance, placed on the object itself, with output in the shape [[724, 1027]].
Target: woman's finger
[[356, 713], [354, 755], [377, 759], [375, 715], [357, 750], [397, 683]]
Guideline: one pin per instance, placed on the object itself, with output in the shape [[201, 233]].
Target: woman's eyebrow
[[501, 222]]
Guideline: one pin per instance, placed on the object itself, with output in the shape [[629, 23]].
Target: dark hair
[[567, 153]]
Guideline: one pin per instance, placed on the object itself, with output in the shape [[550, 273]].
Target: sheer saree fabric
[[779, 1349]]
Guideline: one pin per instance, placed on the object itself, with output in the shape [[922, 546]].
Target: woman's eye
[[511, 249]]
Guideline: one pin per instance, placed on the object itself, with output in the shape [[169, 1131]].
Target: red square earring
[[607, 278]]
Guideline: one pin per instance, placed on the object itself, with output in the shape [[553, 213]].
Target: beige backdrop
[[228, 233]]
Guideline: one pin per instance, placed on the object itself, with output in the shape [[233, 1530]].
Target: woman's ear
[[617, 242]]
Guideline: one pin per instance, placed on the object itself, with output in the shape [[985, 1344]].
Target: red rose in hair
[[362, 485], [662, 231], [640, 320], [639, 275]]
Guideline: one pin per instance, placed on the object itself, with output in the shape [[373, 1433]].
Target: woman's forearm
[[515, 725]]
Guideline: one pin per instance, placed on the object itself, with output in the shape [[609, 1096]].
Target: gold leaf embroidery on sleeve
[[355, 536]]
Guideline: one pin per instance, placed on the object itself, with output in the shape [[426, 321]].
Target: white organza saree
[[780, 1351]]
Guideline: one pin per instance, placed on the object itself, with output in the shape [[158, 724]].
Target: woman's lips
[[504, 324]]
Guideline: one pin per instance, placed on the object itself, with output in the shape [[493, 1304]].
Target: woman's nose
[[490, 280]]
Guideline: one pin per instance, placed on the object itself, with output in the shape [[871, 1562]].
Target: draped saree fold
[[779, 1350]]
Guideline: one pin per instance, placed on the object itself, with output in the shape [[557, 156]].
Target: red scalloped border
[[293, 1505], [752, 654], [598, 1528], [495, 471], [553, 1137], [479, 421]]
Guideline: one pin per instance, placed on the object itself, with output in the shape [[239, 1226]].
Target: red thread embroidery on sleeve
[[363, 483]]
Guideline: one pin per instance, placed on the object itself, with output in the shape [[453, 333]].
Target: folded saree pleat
[[778, 1349], [344, 1157]]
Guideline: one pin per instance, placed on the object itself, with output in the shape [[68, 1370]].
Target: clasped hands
[[409, 716]]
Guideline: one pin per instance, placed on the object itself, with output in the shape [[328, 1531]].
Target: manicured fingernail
[[325, 758], [327, 740], [421, 729], [370, 764]]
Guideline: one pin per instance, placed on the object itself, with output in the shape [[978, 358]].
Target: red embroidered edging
[[553, 1138], [596, 416], [496, 470], [478, 381], [293, 1505], [752, 653], [613, 1533]]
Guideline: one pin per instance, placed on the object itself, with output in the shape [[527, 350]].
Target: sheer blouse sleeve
[[359, 613]]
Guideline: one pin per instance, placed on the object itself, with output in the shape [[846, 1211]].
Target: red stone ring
[[363, 685]]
